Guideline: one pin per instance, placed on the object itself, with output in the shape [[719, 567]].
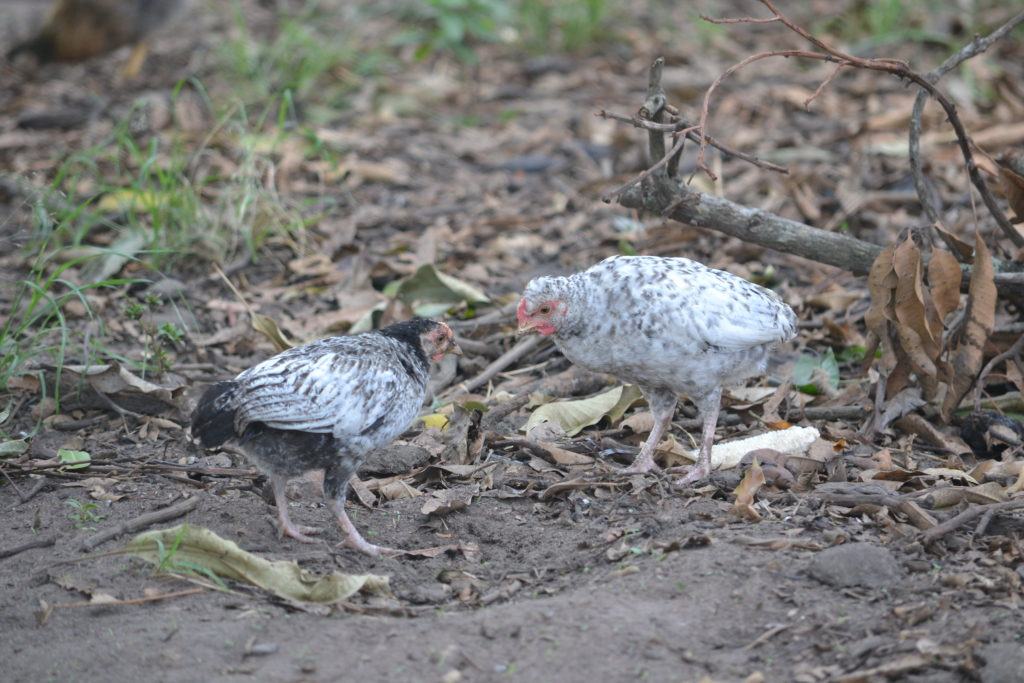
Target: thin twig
[[975, 47], [986, 519], [702, 125], [968, 515], [42, 542], [21, 496], [694, 136], [506, 359], [1012, 352], [32, 492], [141, 522], [501, 315], [740, 20], [608, 196], [824, 84]]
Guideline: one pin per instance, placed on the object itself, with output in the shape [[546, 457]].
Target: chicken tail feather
[[213, 421]]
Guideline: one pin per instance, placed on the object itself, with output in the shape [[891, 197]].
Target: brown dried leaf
[[753, 480], [913, 423], [909, 303], [979, 319], [918, 351], [452, 500], [565, 457], [944, 276], [882, 281], [640, 423], [397, 490]]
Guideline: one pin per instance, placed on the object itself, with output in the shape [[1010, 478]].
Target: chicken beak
[[521, 317], [454, 349], [525, 327]]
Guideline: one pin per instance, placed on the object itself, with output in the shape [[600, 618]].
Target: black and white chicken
[[325, 406], [669, 325]]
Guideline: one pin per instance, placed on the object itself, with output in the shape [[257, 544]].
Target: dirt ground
[[492, 172]]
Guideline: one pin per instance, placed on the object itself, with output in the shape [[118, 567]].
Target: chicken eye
[[544, 310]]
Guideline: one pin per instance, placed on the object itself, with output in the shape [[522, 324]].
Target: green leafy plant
[[168, 563], [84, 515], [816, 374], [159, 342], [35, 325]]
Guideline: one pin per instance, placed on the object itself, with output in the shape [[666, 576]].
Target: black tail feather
[[213, 421]]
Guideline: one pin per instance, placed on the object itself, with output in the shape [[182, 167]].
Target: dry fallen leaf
[[753, 480], [199, 548], [979, 319], [268, 328]]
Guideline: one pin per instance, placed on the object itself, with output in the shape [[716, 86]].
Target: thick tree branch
[[660, 194], [755, 226]]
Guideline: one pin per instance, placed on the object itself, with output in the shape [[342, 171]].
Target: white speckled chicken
[[325, 406], [669, 325]]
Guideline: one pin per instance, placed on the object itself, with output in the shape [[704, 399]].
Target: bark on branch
[[663, 195]]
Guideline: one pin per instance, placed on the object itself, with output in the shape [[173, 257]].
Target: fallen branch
[[661, 195], [42, 542], [754, 226], [968, 515], [141, 522]]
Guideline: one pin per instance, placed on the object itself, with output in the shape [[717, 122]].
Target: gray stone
[[1004, 663], [398, 458], [856, 564]]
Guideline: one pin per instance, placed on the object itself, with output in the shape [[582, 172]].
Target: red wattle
[[521, 312]]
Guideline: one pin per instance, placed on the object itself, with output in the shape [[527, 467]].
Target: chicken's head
[[438, 341], [542, 308]]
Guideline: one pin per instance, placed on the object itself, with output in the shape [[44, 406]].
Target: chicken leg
[[336, 478], [709, 407], [299, 533], [662, 403]]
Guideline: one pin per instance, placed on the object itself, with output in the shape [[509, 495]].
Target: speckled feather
[[324, 405], [666, 323]]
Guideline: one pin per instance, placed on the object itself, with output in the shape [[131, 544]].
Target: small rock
[[398, 458], [856, 564], [1004, 663], [427, 594]]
